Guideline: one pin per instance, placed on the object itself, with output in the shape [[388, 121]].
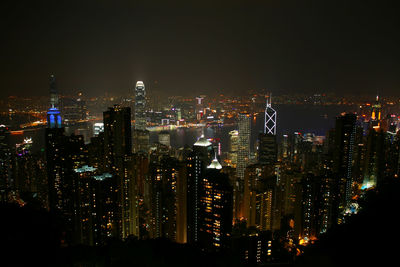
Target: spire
[[53, 92]]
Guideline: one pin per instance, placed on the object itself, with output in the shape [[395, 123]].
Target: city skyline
[[240, 133]]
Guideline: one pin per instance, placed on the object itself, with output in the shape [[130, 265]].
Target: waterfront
[[290, 118]]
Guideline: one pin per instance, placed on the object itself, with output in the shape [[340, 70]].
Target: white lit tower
[[140, 105], [267, 148], [270, 118]]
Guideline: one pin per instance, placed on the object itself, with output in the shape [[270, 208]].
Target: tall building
[[376, 114], [140, 106], [258, 192], [243, 160], [215, 208], [118, 162], [243, 156], [96, 202], [345, 133], [270, 118], [163, 193], [267, 148], [374, 161], [197, 162], [233, 146]]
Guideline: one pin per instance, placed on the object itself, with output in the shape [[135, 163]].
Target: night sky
[[181, 48]]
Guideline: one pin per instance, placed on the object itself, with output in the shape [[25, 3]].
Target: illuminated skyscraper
[[270, 118], [197, 162], [243, 159], [215, 208], [53, 114], [267, 149], [376, 115], [244, 144], [140, 106], [233, 146]]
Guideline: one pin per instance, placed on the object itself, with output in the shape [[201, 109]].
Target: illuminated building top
[[270, 118], [203, 142], [215, 164]]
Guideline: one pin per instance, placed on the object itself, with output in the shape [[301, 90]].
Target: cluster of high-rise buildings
[[118, 185]]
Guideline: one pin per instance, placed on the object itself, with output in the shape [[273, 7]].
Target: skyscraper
[[243, 159], [243, 156], [270, 118], [140, 106], [345, 131], [197, 162], [267, 149], [118, 162], [215, 208]]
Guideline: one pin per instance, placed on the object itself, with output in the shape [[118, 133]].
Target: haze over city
[[200, 46]]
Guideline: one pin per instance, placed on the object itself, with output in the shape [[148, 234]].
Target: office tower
[[140, 106], [233, 146], [164, 138], [243, 159], [345, 133], [215, 212], [267, 148], [374, 161], [243, 156], [270, 118], [197, 162], [118, 162], [5, 161]]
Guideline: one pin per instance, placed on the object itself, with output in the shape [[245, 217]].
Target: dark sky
[[200, 46]]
